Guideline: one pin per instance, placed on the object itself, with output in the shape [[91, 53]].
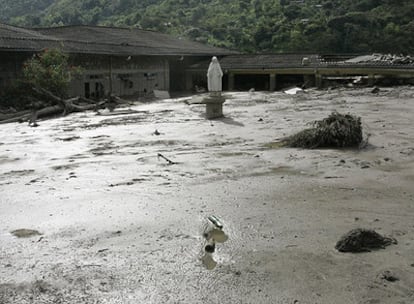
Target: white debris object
[[161, 94], [214, 219], [293, 91]]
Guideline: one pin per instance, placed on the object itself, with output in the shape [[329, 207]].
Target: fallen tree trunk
[[69, 105], [12, 115], [61, 106], [25, 116]]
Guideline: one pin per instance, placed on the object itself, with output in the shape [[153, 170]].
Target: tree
[[50, 70]]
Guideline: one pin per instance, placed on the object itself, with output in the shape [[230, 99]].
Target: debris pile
[[335, 131], [382, 59], [389, 276], [46, 104], [363, 240]]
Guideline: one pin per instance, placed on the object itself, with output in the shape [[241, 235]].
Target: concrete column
[[272, 82], [214, 105], [318, 80], [371, 80], [309, 81], [188, 81], [110, 76], [231, 82], [166, 75]]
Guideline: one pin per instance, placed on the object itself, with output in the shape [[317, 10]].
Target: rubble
[[294, 91], [47, 105], [382, 58]]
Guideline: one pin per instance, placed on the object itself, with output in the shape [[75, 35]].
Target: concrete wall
[[121, 75], [11, 66], [277, 79], [100, 74]]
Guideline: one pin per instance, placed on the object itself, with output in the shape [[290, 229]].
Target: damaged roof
[[268, 61], [102, 40], [263, 61], [249, 62]]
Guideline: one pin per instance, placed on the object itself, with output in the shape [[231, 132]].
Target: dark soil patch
[[70, 138], [388, 276], [106, 148], [65, 167], [124, 120], [129, 183], [17, 173], [25, 233], [363, 240]]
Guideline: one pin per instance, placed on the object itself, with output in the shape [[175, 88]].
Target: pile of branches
[[45, 104], [363, 240], [335, 131]]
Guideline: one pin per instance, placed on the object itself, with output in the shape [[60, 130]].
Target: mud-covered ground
[[119, 224]]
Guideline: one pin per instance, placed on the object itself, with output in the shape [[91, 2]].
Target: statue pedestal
[[214, 106]]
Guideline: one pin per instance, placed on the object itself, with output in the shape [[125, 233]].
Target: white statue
[[214, 76]]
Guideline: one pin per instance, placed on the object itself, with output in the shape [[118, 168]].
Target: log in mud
[[60, 107]]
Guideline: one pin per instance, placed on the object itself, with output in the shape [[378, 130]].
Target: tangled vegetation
[[335, 131], [363, 240], [49, 70]]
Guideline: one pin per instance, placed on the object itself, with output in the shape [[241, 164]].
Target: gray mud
[[119, 224]]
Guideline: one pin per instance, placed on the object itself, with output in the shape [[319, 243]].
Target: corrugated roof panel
[[263, 61], [131, 41], [102, 40]]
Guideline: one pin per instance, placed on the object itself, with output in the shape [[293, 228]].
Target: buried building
[[121, 61], [270, 72], [135, 62]]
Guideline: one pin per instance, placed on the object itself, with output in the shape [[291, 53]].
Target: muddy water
[[118, 224]]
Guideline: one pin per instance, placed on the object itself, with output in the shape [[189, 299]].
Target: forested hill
[[340, 26]]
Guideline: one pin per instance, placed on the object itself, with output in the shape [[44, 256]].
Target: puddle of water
[[218, 236], [208, 261]]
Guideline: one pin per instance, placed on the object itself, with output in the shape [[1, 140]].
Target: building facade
[[119, 61], [134, 62], [270, 72]]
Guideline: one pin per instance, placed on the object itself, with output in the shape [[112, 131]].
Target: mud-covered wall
[[100, 74], [120, 75]]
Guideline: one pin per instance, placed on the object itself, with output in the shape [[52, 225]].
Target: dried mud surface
[[117, 224]]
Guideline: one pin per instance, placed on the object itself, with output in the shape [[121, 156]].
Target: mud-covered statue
[[214, 76]]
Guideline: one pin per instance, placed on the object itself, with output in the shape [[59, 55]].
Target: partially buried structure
[[270, 72], [122, 61], [135, 62]]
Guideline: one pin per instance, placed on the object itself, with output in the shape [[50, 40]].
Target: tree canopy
[[327, 26], [49, 70]]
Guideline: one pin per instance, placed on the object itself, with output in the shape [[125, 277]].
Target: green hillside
[[340, 26]]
